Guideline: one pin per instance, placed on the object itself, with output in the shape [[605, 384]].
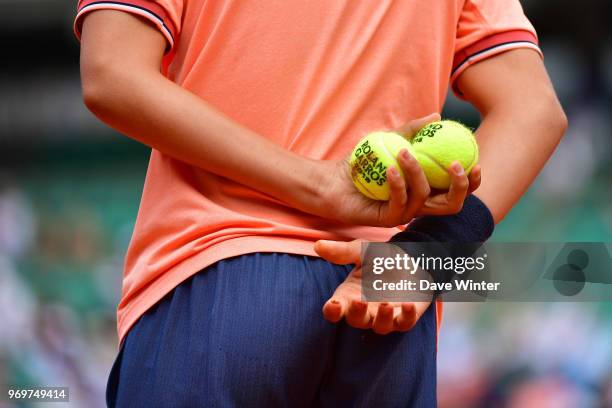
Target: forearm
[[123, 86], [522, 124], [157, 112], [515, 142]]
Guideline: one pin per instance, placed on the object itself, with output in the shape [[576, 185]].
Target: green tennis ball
[[370, 160], [437, 145]]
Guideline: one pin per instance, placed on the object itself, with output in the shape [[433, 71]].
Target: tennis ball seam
[[384, 145], [396, 163], [430, 157], [371, 195]]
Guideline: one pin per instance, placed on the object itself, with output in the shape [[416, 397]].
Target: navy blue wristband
[[474, 223], [458, 235]]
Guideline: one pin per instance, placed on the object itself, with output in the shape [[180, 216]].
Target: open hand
[[347, 303]]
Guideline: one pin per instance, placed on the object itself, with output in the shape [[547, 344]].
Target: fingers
[[475, 178], [333, 310], [407, 317], [383, 321], [339, 252], [382, 318], [398, 198], [451, 202], [458, 189], [410, 128], [416, 182], [404, 205], [358, 315]]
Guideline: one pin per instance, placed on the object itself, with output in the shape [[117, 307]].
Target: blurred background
[[70, 188]]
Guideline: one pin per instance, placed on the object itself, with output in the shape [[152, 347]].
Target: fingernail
[[405, 154], [407, 307], [360, 305], [458, 169], [393, 172], [385, 308]]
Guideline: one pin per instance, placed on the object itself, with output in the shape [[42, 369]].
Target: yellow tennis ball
[[437, 145], [370, 160]]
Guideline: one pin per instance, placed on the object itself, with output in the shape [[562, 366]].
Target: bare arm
[[522, 123], [122, 85]]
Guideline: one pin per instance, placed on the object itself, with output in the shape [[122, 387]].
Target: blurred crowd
[[60, 274], [68, 203]]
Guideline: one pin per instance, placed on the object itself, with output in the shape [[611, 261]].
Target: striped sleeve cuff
[[146, 9], [488, 47]]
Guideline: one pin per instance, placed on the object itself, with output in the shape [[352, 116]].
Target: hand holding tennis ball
[[436, 146], [371, 158]]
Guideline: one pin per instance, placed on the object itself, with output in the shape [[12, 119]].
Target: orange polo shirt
[[312, 76]]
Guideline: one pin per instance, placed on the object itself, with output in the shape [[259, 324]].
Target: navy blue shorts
[[248, 332]]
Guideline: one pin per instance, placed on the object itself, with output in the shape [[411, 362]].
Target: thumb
[[339, 252], [412, 127]]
